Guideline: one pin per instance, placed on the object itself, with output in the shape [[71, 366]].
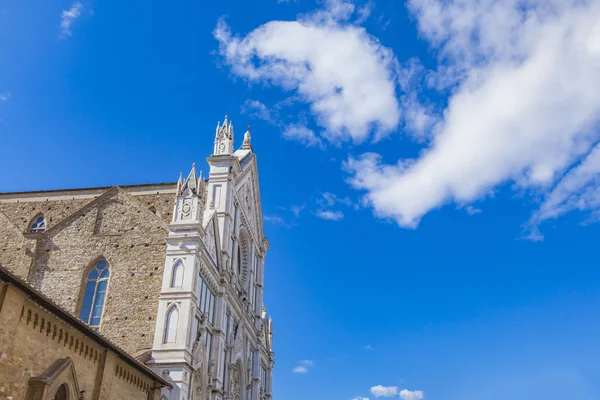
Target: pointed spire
[[191, 182], [200, 184], [247, 137], [179, 182]]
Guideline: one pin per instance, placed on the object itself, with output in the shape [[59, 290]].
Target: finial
[[247, 137], [179, 182]]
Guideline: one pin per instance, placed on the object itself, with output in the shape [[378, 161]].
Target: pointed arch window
[[177, 274], [171, 324], [94, 297], [38, 225], [62, 392]]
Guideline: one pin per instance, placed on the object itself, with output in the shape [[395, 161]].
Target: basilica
[[149, 291]]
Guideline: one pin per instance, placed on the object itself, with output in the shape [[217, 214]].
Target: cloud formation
[[328, 62], [302, 134], [512, 101], [411, 394], [303, 366], [67, 17], [330, 215], [472, 210], [523, 109], [384, 391]]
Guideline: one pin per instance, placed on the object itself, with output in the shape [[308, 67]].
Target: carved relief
[[236, 384], [209, 240], [237, 346], [244, 257]]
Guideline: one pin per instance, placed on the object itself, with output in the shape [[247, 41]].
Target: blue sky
[[429, 170]]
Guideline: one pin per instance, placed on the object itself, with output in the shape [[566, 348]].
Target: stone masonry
[[126, 226], [37, 337]]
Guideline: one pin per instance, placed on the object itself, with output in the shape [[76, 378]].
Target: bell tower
[[224, 138], [176, 326], [189, 207]]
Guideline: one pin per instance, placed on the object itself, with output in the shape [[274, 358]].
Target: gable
[[210, 238], [113, 213], [21, 213], [60, 376], [248, 194], [14, 248]]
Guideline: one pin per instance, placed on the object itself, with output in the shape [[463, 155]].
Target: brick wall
[[32, 339]]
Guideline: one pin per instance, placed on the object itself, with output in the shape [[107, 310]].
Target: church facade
[[172, 273]]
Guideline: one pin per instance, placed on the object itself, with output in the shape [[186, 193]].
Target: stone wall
[[16, 251], [32, 339], [128, 230]]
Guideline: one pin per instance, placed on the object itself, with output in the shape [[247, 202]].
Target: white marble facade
[[213, 336]]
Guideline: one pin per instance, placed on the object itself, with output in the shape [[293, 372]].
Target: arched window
[[62, 393], [38, 225], [177, 274], [171, 325], [95, 294]]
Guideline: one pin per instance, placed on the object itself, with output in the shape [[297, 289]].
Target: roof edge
[[49, 305], [138, 185]]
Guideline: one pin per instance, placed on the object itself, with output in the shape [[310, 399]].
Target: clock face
[[186, 208]]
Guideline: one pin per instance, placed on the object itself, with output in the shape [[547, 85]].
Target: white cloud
[[277, 220], [360, 398], [330, 215], [369, 347], [256, 109], [384, 391], [296, 210], [364, 12], [329, 199], [523, 107], [344, 74], [5, 96], [67, 17], [411, 394], [303, 366], [579, 189], [302, 134], [472, 210]]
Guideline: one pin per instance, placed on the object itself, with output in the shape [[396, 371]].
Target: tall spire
[[179, 182]]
